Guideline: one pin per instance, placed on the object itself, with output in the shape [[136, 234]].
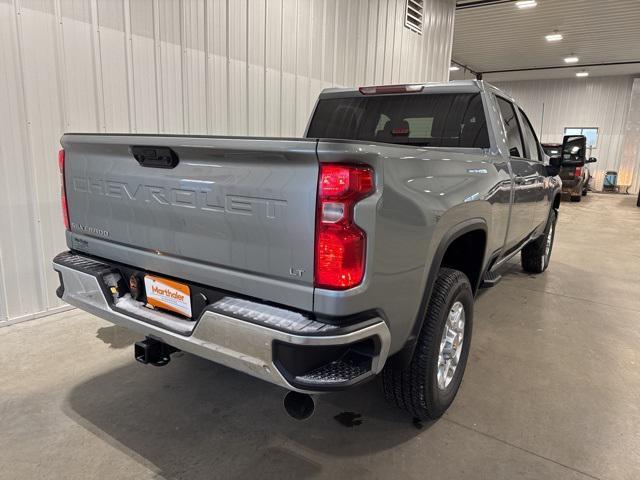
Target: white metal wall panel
[[41, 68], [113, 42], [629, 173], [20, 242], [601, 102], [143, 65], [225, 67]]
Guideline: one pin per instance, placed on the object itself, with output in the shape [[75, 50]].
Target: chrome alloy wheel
[[451, 345]]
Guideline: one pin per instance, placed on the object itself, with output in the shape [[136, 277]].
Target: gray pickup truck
[[314, 263]]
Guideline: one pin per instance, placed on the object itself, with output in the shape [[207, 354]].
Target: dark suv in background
[[575, 174]]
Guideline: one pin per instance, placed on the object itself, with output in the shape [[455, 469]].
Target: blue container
[[610, 181]]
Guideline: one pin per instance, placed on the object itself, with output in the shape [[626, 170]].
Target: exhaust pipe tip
[[299, 405]]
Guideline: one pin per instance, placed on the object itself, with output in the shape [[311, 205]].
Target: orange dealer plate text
[[168, 295]]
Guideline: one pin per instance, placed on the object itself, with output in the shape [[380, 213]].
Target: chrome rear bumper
[[240, 334]]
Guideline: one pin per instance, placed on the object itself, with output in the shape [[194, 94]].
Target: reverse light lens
[[340, 243], [63, 191], [332, 212]]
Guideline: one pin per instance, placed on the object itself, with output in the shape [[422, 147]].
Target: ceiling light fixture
[[582, 74], [554, 37], [454, 68], [571, 59], [526, 4]]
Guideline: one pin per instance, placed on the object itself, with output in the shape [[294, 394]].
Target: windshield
[[430, 120]]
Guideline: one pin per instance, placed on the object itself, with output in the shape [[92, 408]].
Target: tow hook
[[154, 352]]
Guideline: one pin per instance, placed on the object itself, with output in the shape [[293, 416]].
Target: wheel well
[[466, 253], [556, 201]]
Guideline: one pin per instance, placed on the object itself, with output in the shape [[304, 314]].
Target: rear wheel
[[535, 255], [584, 192], [428, 385]]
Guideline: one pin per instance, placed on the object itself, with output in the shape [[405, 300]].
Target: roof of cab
[[430, 87], [454, 86]]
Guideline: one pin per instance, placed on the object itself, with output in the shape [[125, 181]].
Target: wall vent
[[413, 15]]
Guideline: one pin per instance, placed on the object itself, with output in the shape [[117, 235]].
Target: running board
[[490, 279]]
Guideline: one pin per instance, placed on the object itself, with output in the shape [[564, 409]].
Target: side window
[[530, 138], [514, 137]]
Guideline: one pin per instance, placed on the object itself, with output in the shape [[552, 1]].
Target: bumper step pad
[[82, 263], [342, 371], [334, 372], [490, 279]]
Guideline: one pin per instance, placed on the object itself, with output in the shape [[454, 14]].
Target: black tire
[[534, 257], [576, 198], [584, 192], [415, 388]]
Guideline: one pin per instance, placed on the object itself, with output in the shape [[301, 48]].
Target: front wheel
[[427, 386], [535, 256]]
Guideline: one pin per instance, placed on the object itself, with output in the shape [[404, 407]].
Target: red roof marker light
[[387, 89]]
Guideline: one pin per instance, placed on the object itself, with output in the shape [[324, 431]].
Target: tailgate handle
[[155, 157]]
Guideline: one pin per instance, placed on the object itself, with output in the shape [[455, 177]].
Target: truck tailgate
[[233, 213]]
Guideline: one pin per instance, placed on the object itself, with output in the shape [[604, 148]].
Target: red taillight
[[340, 243], [578, 171], [63, 191]]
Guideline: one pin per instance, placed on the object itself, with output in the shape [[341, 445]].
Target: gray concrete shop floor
[[552, 390]]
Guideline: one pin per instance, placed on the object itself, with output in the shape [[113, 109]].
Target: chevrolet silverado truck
[[575, 173], [314, 263]]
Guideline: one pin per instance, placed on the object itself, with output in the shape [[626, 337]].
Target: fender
[[403, 357]]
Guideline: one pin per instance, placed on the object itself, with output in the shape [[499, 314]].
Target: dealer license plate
[[168, 295]]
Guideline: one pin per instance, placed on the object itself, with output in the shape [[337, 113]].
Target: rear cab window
[[511, 127], [425, 120], [530, 138]]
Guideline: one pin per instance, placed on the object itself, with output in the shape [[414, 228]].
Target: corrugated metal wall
[[601, 102], [232, 67], [630, 155]]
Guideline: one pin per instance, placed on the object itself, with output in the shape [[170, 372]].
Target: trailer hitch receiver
[[153, 352]]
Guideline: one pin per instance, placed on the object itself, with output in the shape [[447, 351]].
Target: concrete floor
[[552, 390]]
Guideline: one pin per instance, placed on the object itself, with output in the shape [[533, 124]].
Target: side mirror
[[591, 160], [574, 148], [555, 163]]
